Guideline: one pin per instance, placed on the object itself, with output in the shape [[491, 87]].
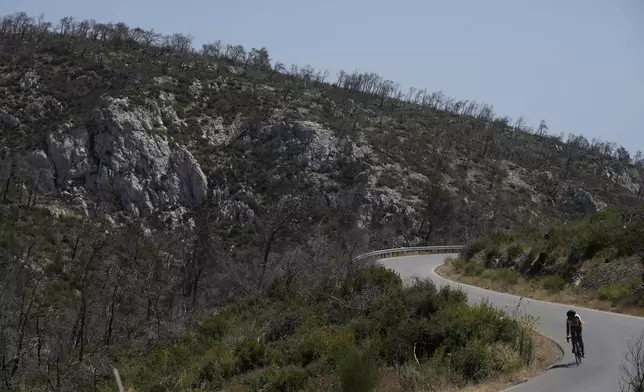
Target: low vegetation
[[98, 296], [339, 337], [597, 261]]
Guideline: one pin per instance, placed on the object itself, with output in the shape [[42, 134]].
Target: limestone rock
[[120, 152], [586, 201]]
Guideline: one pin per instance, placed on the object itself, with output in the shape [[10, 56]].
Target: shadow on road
[[563, 365]]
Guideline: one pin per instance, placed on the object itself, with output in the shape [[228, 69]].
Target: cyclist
[[573, 327]]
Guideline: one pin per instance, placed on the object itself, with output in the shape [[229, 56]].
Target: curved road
[[605, 334]]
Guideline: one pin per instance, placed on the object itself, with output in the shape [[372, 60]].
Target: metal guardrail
[[395, 252]]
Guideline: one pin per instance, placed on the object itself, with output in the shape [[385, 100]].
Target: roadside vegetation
[[597, 262], [97, 298], [365, 333], [632, 368]]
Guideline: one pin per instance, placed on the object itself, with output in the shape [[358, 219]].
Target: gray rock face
[[7, 121], [214, 131], [321, 143], [586, 201], [195, 88], [190, 182], [614, 272], [123, 154], [29, 80]]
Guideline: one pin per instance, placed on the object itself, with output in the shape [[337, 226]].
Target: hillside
[[595, 262], [109, 119], [146, 185]]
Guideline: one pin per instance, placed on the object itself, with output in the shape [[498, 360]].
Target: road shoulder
[[526, 290]]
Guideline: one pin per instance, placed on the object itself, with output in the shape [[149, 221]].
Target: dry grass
[[530, 289], [546, 354]]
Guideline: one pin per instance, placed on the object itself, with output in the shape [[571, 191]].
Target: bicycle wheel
[[577, 353]]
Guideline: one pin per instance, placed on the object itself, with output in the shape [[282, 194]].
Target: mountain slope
[[145, 185], [101, 114]]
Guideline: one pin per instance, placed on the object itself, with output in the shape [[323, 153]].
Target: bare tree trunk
[[267, 251], [8, 183], [429, 233], [81, 331], [22, 326], [5, 378], [195, 286], [75, 248], [110, 322], [39, 336]]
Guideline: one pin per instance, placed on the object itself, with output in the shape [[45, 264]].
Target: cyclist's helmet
[[571, 313]]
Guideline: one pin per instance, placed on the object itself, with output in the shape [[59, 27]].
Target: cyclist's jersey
[[574, 324]]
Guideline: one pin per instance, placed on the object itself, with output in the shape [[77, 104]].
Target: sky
[[577, 64]]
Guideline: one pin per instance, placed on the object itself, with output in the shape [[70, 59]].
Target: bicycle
[[575, 347]]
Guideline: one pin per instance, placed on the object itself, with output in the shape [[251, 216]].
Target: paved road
[[605, 334]]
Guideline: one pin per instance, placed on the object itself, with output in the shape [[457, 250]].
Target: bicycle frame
[[576, 348]]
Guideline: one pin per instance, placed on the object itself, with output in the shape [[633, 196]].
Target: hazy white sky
[[578, 64]]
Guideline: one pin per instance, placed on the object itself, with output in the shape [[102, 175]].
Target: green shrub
[[213, 328], [508, 275], [474, 362], [505, 358], [282, 326], [156, 371], [357, 372], [363, 328], [378, 277], [307, 350], [251, 381], [553, 283], [429, 377], [398, 343], [459, 265], [370, 319], [514, 251], [286, 379], [523, 343], [311, 345], [608, 253], [472, 269], [250, 354], [618, 292], [473, 247], [213, 374], [638, 298]]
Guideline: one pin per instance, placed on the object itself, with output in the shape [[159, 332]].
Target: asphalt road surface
[[605, 334]]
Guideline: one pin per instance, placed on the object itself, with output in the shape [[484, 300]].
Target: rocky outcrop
[[195, 88], [612, 272], [29, 80], [586, 202], [638, 295], [321, 144], [123, 152], [215, 132], [8, 121], [230, 208]]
